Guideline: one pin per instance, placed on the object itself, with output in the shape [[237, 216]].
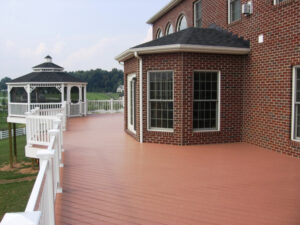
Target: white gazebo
[[47, 87]]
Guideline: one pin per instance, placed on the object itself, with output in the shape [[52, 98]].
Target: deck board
[[109, 178]]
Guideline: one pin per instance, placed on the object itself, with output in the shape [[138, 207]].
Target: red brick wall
[[267, 83], [183, 66]]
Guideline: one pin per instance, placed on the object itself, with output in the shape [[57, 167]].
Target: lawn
[[14, 196], [102, 96]]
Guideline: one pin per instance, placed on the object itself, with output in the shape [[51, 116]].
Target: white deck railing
[[17, 109], [104, 106], [40, 207]]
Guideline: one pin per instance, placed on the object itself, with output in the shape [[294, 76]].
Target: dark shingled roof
[[200, 36], [47, 65], [46, 77]]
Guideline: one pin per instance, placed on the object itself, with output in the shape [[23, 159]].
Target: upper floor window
[[169, 29], [159, 34], [198, 13], [234, 13], [296, 104], [182, 23]]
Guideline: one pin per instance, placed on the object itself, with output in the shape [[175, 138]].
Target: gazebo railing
[[17, 109]]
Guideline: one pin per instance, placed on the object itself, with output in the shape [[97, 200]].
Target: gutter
[[136, 55], [183, 48]]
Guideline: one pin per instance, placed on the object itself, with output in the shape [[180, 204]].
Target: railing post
[[45, 155], [57, 125]]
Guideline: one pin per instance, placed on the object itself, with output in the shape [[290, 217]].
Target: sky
[[78, 34]]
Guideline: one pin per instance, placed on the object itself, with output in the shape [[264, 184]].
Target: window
[[206, 101], [234, 10], [159, 34], [296, 104], [169, 29], [182, 23], [160, 96], [198, 14], [278, 1]]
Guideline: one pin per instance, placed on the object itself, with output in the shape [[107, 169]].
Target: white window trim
[[148, 105], [195, 21], [219, 103], [293, 122], [229, 13], [129, 127]]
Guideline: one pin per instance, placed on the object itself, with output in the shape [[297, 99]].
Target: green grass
[[14, 196], [102, 96], [4, 151], [3, 120]]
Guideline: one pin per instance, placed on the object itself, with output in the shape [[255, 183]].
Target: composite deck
[[109, 178]]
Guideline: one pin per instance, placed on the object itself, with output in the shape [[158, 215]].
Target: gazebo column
[[62, 91], [68, 99], [80, 99], [28, 96], [85, 101]]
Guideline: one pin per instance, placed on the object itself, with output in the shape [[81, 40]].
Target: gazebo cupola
[[48, 86]]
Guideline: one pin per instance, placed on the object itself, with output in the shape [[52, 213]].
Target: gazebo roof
[[47, 72], [47, 77]]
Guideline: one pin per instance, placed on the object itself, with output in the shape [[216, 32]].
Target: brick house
[[217, 71]]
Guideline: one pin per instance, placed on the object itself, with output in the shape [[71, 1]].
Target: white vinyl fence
[[19, 132]]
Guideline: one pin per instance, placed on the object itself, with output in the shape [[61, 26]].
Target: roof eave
[[182, 48], [163, 11]]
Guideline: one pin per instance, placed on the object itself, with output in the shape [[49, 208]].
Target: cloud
[[10, 44], [88, 55], [149, 36]]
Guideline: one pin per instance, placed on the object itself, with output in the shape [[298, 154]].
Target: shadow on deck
[[109, 178]]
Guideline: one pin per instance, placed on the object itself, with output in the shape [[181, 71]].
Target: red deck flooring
[[109, 178]]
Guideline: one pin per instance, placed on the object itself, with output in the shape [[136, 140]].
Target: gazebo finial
[[48, 58]]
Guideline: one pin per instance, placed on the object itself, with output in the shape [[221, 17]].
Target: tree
[[3, 82], [101, 80]]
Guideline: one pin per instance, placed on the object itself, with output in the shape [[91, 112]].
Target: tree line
[[98, 80]]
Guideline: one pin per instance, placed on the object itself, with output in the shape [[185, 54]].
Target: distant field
[[102, 96]]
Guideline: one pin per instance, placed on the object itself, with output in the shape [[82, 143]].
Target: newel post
[[46, 155]]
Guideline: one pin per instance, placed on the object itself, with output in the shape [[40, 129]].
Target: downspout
[[141, 93]]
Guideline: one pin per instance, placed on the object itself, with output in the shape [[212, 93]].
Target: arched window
[[182, 23], [159, 34], [169, 29]]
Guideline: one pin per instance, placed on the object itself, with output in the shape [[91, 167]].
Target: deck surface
[[109, 178]]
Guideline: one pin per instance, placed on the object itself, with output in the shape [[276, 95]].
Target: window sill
[[206, 131], [161, 130], [235, 23]]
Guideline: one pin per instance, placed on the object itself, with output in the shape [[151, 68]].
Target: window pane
[[170, 29], [161, 99], [182, 23], [235, 8], [198, 14]]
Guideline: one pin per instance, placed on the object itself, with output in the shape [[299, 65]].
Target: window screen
[[161, 100], [205, 110]]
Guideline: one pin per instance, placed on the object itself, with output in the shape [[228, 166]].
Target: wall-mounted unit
[[247, 9]]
